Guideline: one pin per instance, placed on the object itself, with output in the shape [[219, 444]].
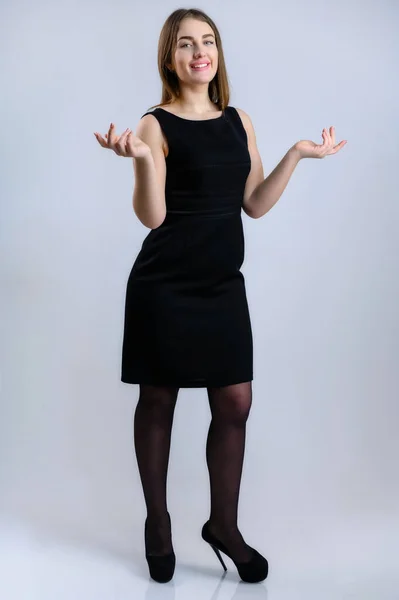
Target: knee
[[159, 401], [233, 407], [239, 410]]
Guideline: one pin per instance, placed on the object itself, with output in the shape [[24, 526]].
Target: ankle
[[158, 518], [220, 526]]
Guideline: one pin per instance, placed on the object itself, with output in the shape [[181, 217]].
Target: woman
[[187, 323]]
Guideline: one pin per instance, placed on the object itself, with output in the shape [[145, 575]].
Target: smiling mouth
[[201, 67]]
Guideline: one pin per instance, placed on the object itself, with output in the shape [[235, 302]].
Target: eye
[[188, 43]]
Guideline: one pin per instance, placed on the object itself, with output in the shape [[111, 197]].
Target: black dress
[[187, 322]]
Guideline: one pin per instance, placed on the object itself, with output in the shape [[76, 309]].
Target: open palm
[[309, 149], [126, 144]]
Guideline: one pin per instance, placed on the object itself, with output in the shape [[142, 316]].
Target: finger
[[328, 137], [121, 143], [101, 140], [124, 135], [111, 137], [130, 142], [129, 139], [332, 135], [330, 144], [339, 146]]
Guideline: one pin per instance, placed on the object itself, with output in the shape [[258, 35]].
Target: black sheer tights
[[230, 406], [152, 432]]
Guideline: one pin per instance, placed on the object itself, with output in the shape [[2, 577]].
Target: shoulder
[[242, 113], [149, 125], [246, 121], [150, 131], [149, 118]]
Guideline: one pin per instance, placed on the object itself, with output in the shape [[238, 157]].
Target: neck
[[196, 103]]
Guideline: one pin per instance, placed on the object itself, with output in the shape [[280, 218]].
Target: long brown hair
[[219, 91]]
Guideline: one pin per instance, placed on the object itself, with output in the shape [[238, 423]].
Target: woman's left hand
[[308, 149]]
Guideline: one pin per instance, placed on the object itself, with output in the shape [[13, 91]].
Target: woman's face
[[196, 44]]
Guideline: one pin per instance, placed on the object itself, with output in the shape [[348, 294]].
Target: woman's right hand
[[126, 144]]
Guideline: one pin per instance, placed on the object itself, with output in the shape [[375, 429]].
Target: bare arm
[[262, 194], [256, 175], [150, 175]]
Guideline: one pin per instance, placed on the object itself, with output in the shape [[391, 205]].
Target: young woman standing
[[187, 323]]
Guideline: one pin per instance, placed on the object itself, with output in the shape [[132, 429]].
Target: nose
[[199, 53]]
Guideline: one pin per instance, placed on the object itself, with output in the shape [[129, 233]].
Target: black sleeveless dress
[[187, 322]]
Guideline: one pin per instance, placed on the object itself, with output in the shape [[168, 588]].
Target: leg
[[153, 421], [230, 406]]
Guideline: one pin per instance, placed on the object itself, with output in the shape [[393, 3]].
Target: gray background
[[320, 489]]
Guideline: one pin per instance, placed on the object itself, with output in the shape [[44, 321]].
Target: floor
[[37, 565]]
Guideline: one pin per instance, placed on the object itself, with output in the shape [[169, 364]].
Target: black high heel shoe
[[161, 568], [252, 571]]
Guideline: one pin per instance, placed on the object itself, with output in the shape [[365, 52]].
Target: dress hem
[[189, 384]]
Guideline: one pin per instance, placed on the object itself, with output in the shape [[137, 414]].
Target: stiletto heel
[[219, 556], [161, 568], [252, 571]]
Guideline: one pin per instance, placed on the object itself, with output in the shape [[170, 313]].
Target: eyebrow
[[190, 37]]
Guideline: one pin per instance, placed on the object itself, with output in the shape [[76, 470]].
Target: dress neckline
[[192, 120]]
